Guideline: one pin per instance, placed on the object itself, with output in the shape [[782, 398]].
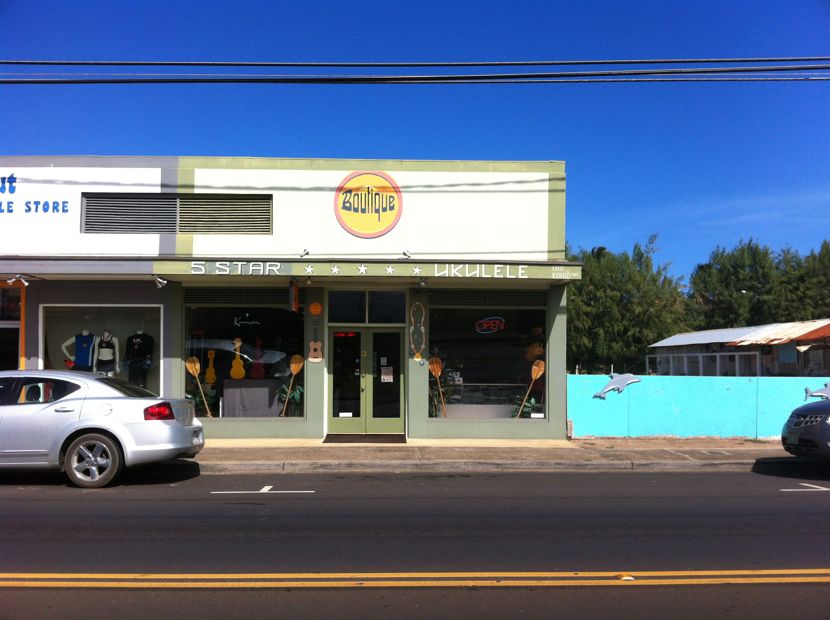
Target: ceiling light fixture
[[160, 282]]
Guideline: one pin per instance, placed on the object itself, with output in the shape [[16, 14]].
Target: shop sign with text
[[368, 204]]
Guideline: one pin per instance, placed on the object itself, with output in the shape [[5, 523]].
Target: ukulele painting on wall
[[237, 367], [315, 347], [417, 339]]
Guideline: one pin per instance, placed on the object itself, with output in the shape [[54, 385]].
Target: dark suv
[[807, 431]]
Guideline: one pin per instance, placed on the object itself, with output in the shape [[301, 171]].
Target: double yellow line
[[412, 579]]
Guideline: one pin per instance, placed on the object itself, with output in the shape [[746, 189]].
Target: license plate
[[792, 438]]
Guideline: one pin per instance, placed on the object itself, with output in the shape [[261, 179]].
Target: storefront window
[[9, 304], [122, 341], [347, 307], [9, 340], [484, 361], [9, 328], [251, 361], [367, 307]]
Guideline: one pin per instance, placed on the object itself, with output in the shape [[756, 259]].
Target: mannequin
[[105, 356], [138, 353], [84, 344]]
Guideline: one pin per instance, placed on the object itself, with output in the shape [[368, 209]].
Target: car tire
[[92, 461]]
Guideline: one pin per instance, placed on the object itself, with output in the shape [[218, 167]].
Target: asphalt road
[[438, 545]]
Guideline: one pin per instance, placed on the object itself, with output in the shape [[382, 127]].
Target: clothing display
[[83, 351], [138, 353], [105, 358]]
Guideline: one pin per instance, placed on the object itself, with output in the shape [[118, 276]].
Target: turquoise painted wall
[[753, 407]]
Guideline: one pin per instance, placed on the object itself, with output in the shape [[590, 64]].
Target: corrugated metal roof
[[780, 333], [816, 334], [705, 337], [773, 333]]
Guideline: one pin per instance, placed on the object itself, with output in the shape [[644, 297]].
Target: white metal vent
[[225, 215], [207, 214], [227, 296], [129, 213], [487, 298]]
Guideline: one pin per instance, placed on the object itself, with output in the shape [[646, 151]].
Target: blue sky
[[699, 164]]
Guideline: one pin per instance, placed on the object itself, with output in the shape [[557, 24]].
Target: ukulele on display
[[237, 367], [258, 368], [210, 371]]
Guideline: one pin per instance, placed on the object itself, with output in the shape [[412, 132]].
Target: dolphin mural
[[823, 393], [618, 383]]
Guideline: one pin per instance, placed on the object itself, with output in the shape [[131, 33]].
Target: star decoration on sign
[[362, 270], [390, 269], [309, 269], [416, 271], [335, 269]]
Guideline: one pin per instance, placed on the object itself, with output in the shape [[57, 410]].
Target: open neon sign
[[491, 325]]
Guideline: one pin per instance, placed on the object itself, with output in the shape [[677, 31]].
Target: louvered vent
[[206, 214], [499, 299], [222, 296], [129, 213], [225, 215]]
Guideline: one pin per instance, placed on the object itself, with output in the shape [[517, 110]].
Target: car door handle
[[64, 409]]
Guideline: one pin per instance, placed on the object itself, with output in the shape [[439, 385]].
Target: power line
[[497, 63], [727, 72]]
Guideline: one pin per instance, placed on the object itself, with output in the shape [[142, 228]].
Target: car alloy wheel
[[92, 461]]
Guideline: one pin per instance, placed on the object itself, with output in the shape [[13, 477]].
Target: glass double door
[[366, 381]]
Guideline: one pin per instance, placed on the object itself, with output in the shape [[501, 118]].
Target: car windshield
[[127, 389]]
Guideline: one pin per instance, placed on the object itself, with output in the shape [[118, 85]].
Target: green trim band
[[391, 269]]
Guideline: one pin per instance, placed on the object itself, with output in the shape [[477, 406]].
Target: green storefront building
[[312, 297]]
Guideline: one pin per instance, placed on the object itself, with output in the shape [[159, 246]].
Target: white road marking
[[265, 489], [715, 452], [810, 487]]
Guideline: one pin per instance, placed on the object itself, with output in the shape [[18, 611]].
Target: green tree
[[735, 288], [817, 281], [790, 301], [623, 303]]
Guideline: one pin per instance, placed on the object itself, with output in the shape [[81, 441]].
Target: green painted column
[[557, 381], [315, 372], [417, 372]]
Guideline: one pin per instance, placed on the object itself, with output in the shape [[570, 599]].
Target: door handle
[[64, 409]]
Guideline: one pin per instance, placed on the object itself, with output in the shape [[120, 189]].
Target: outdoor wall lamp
[[17, 278], [160, 282]]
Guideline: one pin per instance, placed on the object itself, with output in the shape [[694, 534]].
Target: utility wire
[[764, 72], [416, 79], [528, 63]]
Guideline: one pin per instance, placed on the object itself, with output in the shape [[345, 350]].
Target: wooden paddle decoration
[[296, 365], [194, 368], [436, 366], [536, 371]]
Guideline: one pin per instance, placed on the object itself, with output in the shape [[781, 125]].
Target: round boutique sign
[[368, 204]]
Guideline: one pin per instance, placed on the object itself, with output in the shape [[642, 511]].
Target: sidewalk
[[222, 456]]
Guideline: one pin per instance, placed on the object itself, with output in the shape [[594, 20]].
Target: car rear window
[[127, 389]]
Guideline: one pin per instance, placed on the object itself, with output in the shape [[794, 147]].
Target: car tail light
[[160, 411]]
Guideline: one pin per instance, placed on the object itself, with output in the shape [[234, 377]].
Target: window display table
[[251, 398]]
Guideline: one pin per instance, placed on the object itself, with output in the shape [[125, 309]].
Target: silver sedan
[[90, 426]]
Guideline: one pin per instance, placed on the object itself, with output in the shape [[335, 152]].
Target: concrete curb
[[321, 467]]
